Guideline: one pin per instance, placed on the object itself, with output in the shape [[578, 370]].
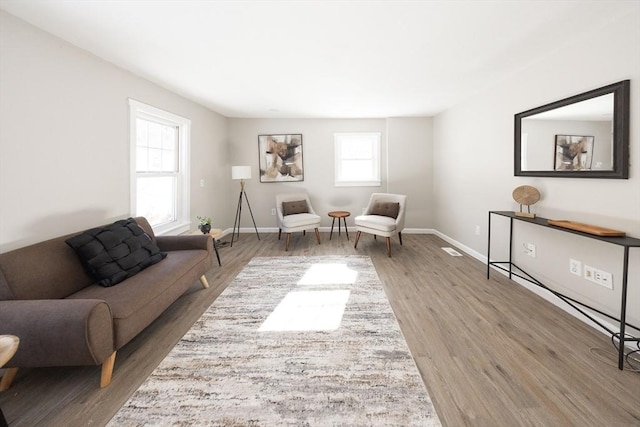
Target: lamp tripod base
[[236, 224]]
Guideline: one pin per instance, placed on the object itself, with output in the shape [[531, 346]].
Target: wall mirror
[[583, 136]]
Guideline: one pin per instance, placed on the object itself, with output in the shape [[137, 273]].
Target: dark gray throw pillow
[[389, 209], [294, 207], [115, 252]]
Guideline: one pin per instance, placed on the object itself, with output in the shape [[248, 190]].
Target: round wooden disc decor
[[526, 195]]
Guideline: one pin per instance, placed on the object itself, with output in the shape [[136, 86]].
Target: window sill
[[172, 229], [358, 184]]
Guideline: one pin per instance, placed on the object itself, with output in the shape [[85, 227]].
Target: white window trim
[[138, 109], [377, 181]]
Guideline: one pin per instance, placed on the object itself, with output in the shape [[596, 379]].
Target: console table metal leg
[[623, 308], [510, 245], [489, 246]]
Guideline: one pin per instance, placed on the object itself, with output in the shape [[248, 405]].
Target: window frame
[[375, 179], [140, 110]]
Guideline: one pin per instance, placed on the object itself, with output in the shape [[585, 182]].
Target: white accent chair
[[378, 218], [296, 221]]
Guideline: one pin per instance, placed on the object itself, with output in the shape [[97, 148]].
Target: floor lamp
[[241, 173]]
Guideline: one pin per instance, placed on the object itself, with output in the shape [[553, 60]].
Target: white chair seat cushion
[[376, 222], [300, 220]]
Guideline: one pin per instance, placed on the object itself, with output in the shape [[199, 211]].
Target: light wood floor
[[490, 352]]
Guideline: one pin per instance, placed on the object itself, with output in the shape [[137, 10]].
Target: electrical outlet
[[575, 267], [606, 279], [597, 276], [477, 230], [590, 273], [273, 212], [530, 249]]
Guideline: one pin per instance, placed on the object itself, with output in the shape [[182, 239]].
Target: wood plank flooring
[[490, 352]]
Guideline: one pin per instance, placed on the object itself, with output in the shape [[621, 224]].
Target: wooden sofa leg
[[279, 233], [204, 282], [357, 238], [400, 237], [286, 245], [7, 378], [107, 370], [318, 235], [389, 247]]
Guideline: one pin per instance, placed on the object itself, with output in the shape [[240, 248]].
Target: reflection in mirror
[[586, 135], [575, 137]]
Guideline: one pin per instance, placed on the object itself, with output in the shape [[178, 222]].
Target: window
[[159, 168], [357, 160]]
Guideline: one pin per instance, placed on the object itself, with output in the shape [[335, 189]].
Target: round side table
[[340, 215]]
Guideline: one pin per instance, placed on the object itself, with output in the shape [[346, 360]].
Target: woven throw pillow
[[294, 207], [389, 209], [115, 252]]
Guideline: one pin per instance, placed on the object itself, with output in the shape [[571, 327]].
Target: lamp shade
[[240, 172]]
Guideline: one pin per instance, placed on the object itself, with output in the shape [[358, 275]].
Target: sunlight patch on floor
[[308, 311], [328, 274]]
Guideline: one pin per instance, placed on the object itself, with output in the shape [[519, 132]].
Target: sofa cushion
[[115, 252], [389, 209], [294, 207], [142, 298]]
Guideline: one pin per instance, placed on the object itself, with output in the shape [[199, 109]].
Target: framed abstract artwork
[[280, 157], [573, 152]]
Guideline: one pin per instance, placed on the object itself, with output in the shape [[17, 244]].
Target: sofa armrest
[[185, 242], [64, 332]]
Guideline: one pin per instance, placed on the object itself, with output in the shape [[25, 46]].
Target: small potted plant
[[205, 224]]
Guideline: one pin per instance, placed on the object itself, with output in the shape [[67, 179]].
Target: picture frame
[[573, 152], [280, 157]]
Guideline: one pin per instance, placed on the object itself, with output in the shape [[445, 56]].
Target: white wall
[[406, 147], [473, 166], [410, 163], [64, 138]]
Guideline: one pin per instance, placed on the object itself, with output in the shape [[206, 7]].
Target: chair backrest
[[291, 197], [393, 198]]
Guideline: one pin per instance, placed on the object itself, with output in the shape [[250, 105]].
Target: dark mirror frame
[[620, 141]]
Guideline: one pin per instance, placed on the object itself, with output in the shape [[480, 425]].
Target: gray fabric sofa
[[63, 318]]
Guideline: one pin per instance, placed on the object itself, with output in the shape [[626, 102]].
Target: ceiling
[[321, 59]]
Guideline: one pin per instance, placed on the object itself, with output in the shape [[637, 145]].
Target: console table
[[625, 242]]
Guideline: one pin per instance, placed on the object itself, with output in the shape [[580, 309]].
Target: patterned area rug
[[293, 341]]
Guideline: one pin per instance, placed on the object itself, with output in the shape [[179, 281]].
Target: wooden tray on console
[[587, 228]]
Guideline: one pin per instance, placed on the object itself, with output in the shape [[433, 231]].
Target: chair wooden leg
[[279, 233], [318, 235], [389, 247], [304, 232], [7, 378], [204, 282], [357, 238], [107, 370], [286, 245], [400, 237]]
